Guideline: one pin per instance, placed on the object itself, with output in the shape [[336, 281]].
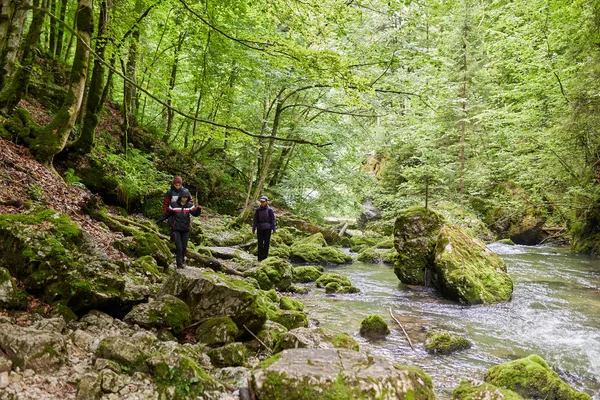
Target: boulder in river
[[305, 274], [415, 236], [319, 374], [374, 327], [314, 249], [467, 271], [532, 378], [316, 338], [438, 342], [481, 390]]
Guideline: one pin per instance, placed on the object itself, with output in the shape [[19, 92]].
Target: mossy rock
[[480, 390], [286, 303], [289, 318], [152, 205], [272, 272], [306, 274], [230, 355], [438, 342], [272, 295], [343, 341], [335, 287], [180, 377], [217, 331], [329, 277], [374, 327], [272, 333], [297, 289], [147, 265], [506, 241], [146, 244], [10, 295], [314, 249], [315, 338], [467, 271], [165, 312], [532, 377], [357, 243], [125, 351], [369, 255], [415, 237]]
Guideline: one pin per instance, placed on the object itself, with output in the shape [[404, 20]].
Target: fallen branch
[[399, 324], [259, 341], [212, 263]]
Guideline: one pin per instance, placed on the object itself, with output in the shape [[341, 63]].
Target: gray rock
[[5, 364], [123, 350], [31, 348], [304, 338], [112, 382], [89, 387], [57, 325], [83, 340], [98, 319], [4, 381], [322, 373], [230, 355], [103, 363], [165, 312], [10, 295], [228, 253], [235, 376]]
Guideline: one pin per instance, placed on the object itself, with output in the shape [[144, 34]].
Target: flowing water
[[555, 313]]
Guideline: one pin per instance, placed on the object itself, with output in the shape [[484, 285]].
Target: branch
[[326, 110], [562, 89], [177, 111]]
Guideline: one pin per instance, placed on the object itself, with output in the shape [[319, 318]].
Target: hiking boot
[[180, 266]]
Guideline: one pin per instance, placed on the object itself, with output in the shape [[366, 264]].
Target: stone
[[337, 374], [438, 342], [532, 377], [480, 390], [329, 277], [287, 303], [165, 312], [230, 355], [306, 274], [289, 318], [335, 287], [89, 387], [272, 333], [314, 249], [5, 364], [235, 376], [4, 381], [103, 363], [415, 237], [374, 327], [315, 338], [467, 271], [272, 273], [209, 294], [229, 253], [217, 331], [125, 351], [82, 339], [112, 382], [57, 325], [10, 295], [30, 348]]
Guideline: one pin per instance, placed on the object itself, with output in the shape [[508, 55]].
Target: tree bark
[[85, 144], [52, 29], [61, 29], [54, 136], [172, 80], [12, 21]]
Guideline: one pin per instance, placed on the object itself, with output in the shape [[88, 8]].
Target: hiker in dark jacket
[[173, 193], [264, 224], [178, 214]]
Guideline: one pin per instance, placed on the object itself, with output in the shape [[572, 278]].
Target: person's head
[[184, 196], [263, 200], [177, 182]]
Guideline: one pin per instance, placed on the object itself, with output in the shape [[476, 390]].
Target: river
[[555, 313]]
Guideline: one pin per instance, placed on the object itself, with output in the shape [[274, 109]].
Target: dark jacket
[[171, 196], [179, 215], [264, 218]]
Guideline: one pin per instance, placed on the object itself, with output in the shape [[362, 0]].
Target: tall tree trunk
[[202, 86], [12, 21], [172, 80], [463, 121], [54, 136], [13, 90], [52, 29], [85, 144], [61, 29]]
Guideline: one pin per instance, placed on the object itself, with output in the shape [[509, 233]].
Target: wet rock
[[467, 271], [10, 295], [335, 287], [316, 338], [272, 273], [30, 348], [374, 327], [306, 274], [415, 236], [230, 355], [336, 283], [438, 342], [480, 390], [335, 373], [209, 294], [217, 331], [532, 377], [165, 312], [314, 249]]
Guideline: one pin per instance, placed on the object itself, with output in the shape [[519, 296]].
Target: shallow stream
[[555, 312]]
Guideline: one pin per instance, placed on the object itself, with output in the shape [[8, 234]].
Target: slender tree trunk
[[463, 122], [85, 143], [13, 90], [12, 20], [54, 136], [61, 29], [130, 94], [202, 86], [52, 29], [172, 80], [71, 37]]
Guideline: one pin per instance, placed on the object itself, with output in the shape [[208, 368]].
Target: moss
[[272, 333], [269, 361], [438, 342], [373, 326], [531, 377], [469, 391], [297, 289], [306, 274], [314, 249], [289, 318], [172, 312], [184, 376], [329, 277], [506, 241], [343, 341], [335, 287], [230, 355], [286, 303], [361, 242], [217, 331], [272, 273]]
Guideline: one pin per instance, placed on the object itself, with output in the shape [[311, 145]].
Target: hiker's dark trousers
[[181, 242], [264, 237]]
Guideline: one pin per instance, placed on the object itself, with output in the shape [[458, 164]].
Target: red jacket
[[171, 196]]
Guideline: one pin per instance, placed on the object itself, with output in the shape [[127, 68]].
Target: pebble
[[28, 373], [4, 381]]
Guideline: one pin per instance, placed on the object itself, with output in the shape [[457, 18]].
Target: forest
[[422, 158]]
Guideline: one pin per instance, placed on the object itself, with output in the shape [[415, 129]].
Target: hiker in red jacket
[[174, 193]]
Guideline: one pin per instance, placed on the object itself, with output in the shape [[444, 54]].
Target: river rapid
[[555, 313]]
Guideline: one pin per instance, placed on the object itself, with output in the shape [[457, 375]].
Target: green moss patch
[[438, 342], [374, 327]]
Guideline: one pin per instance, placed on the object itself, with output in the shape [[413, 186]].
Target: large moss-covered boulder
[[438, 342], [316, 338], [272, 273], [336, 283], [217, 331], [314, 249], [287, 303], [480, 390], [10, 295], [210, 294], [165, 312], [337, 374], [374, 327], [306, 274], [467, 271], [29, 348], [532, 378], [230, 355], [415, 236]]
